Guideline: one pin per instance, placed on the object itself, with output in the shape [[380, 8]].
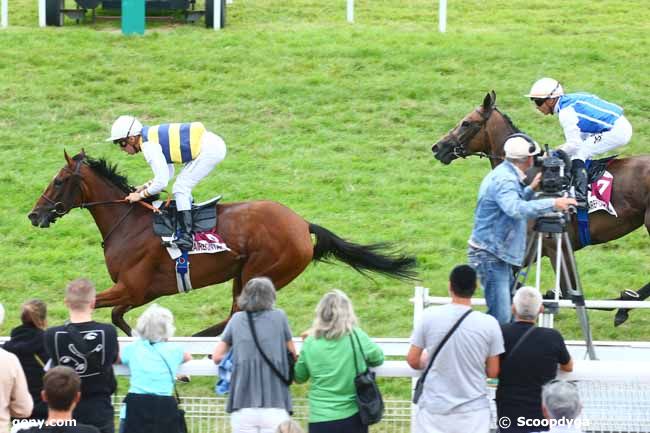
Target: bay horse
[[266, 238], [483, 132]]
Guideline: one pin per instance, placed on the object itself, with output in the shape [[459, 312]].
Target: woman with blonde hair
[[27, 343], [150, 405], [327, 358]]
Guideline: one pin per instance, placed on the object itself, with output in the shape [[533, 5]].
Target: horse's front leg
[[118, 297]]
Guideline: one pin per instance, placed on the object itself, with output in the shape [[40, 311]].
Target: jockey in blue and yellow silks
[[180, 142], [163, 146]]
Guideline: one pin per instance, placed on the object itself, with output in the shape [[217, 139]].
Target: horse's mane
[[508, 119], [106, 170], [109, 172]]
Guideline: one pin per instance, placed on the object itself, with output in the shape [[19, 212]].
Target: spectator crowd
[[61, 379]]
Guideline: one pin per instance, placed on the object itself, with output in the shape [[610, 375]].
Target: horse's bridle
[[460, 143], [60, 209], [59, 206]]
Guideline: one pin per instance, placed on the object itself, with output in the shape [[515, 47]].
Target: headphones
[[531, 142]]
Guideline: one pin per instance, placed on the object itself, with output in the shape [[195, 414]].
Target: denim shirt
[[502, 214]]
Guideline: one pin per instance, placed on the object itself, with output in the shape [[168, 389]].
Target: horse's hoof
[[621, 316]]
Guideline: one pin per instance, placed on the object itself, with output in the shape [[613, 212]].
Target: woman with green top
[[327, 358]]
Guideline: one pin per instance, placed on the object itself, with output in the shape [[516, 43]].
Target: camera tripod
[[553, 225]]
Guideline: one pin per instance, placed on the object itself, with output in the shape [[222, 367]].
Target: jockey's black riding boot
[[579, 175], [185, 241]]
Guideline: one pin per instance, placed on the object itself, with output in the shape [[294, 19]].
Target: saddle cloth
[[600, 194], [204, 223], [600, 185], [204, 243]]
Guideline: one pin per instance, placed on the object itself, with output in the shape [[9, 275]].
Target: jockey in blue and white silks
[[591, 125], [164, 145]]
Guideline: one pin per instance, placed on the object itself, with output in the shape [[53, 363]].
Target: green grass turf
[[331, 119]]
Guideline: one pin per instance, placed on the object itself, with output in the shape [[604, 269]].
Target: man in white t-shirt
[[455, 396]]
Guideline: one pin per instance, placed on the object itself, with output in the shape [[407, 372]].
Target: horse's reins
[[459, 148], [59, 207]]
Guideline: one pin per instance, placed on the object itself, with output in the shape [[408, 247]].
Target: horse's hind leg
[[280, 267], [217, 329]]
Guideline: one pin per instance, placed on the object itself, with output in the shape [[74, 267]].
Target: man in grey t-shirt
[[455, 390]]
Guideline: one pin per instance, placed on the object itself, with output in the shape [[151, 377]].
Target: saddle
[[596, 168], [204, 217]]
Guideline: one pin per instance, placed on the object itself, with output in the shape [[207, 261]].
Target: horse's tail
[[362, 258]]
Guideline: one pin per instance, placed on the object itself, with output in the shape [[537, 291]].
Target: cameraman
[[498, 240]]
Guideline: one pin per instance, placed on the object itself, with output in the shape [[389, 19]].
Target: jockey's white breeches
[[213, 151], [596, 144]]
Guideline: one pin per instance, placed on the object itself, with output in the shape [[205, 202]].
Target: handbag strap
[[518, 344], [442, 343], [171, 373], [354, 352], [277, 372]]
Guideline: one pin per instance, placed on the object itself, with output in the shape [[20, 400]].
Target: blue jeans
[[496, 277]]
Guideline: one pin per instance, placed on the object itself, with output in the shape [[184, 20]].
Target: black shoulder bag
[[369, 399], [419, 386], [182, 425], [517, 344], [290, 358]]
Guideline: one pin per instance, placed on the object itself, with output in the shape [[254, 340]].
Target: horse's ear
[[490, 101], [67, 158], [83, 153]]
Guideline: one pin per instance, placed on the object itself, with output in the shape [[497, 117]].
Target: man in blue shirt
[[591, 126], [498, 240]]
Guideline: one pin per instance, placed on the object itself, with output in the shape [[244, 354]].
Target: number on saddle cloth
[[204, 217]]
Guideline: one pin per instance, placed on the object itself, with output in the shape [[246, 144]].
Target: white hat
[[520, 146], [125, 126], [546, 88]]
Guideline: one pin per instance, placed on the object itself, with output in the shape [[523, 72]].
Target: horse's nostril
[[434, 148], [32, 217]]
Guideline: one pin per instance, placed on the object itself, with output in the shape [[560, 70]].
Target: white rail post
[[350, 11], [442, 16], [419, 304], [216, 15], [4, 14], [41, 13]]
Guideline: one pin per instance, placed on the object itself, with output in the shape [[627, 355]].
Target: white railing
[[4, 13], [615, 396]]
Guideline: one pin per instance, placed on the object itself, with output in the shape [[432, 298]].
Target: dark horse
[[483, 132], [266, 238]]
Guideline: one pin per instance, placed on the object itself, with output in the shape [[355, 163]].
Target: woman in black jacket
[[28, 345]]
